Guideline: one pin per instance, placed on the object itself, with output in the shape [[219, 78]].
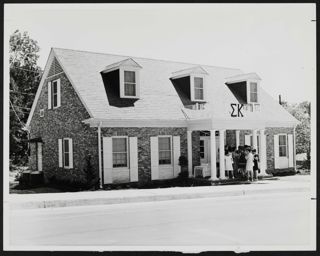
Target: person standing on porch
[[228, 164], [236, 158], [249, 164], [255, 164]]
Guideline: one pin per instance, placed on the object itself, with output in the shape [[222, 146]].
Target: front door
[[39, 156]]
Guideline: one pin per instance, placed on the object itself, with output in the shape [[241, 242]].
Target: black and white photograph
[[159, 127]]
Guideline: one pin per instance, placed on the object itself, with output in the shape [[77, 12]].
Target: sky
[[277, 41]]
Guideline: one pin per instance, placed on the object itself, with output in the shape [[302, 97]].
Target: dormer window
[[198, 88], [190, 84], [130, 83], [253, 92], [124, 78]]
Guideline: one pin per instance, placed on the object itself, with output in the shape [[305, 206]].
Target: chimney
[[280, 100]]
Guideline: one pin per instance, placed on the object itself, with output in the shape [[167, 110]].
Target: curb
[[147, 198]]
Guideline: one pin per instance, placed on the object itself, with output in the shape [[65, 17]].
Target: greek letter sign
[[236, 110]]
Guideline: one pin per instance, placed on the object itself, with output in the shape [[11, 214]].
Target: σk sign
[[236, 110]]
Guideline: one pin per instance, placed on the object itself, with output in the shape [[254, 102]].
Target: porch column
[[254, 139], [263, 153], [213, 154], [237, 139], [99, 156], [221, 154], [189, 142]]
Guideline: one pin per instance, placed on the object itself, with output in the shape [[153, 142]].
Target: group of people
[[241, 163]]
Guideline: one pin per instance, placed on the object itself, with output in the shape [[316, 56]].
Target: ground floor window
[[165, 150], [283, 145], [120, 152]]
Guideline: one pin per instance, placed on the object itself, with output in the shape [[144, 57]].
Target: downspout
[[99, 154], [294, 149]]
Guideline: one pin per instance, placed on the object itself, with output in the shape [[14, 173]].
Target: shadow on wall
[[112, 87]]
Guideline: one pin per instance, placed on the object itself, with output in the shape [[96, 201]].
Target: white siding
[[154, 158], [107, 160], [290, 150], [133, 159], [176, 155], [276, 151], [60, 152], [49, 95]]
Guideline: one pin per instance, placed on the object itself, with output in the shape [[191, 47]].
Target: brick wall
[[63, 122], [143, 135]]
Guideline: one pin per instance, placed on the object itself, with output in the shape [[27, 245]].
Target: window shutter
[[154, 158], [70, 153], [290, 150], [49, 95], [60, 152], [107, 160], [176, 155], [247, 140], [58, 93], [133, 159], [276, 151]]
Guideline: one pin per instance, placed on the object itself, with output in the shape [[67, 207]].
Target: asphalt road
[[275, 219]]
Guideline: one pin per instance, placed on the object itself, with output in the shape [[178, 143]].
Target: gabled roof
[[242, 77], [158, 98], [189, 71], [127, 63]]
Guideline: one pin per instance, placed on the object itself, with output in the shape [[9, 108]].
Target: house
[[137, 116]]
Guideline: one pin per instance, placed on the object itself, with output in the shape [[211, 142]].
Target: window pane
[[55, 100], [253, 97], [54, 87], [198, 94], [119, 159], [165, 157], [253, 87], [66, 145], [282, 139], [129, 76], [198, 82], [282, 151], [129, 89], [119, 145], [164, 143], [66, 159]]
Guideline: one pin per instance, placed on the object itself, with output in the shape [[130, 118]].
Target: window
[[198, 88], [66, 152], [283, 145], [54, 89], [42, 112], [253, 92], [164, 150], [201, 148], [129, 83], [119, 152]]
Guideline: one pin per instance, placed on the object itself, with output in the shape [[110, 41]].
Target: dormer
[[126, 76], [245, 88], [191, 83]]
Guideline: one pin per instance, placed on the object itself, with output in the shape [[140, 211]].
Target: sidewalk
[[30, 201]]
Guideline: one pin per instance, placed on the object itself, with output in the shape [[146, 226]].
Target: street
[[275, 220]]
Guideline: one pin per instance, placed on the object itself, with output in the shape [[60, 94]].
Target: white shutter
[[176, 155], [276, 151], [49, 95], [107, 160], [154, 158], [290, 149], [70, 153], [60, 152], [247, 140], [133, 159], [58, 93]]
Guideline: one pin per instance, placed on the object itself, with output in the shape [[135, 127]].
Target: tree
[[25, 76], [302, 112]]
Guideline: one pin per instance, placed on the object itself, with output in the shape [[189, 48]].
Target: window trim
[[287, 153], [122, 82], [63, 153], [128, 158], [171, 151], [192, 87]]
